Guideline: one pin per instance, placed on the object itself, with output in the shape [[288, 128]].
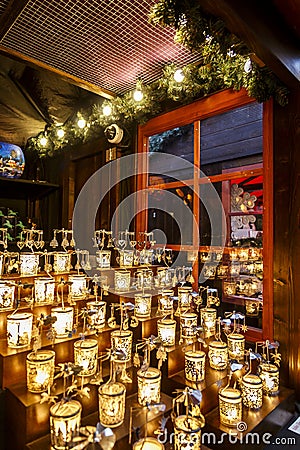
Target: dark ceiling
[[58, 56]]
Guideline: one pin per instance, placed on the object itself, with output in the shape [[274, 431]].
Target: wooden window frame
[[212, 105]]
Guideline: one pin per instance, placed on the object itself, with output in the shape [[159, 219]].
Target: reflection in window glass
[[231, 139], [178, 142]]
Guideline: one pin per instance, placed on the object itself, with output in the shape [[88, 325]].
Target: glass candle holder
[[187, 433], [235, 269], [252, 391], [149, 386], [62, 262], [209, 271], [208, 318], [121, 341], [126, 258], [85, 355], [29, 264], [103, 258], [64, 321], [64, 424], [144, 279], [19, 327], [230, 407], [122, 280], [7, 295], [97, 314], [142, 305], [252, 308], [112, 404], [188, 324], [148, 443], [229, 287], [77, 288], [222, 271], [236, 346], [243, 254], [146, 256], [161, 278], [166, 331], [269, 374], [194, 365], [44, 288], [218, 355], [40, 370], [165, 302], [184, 298]]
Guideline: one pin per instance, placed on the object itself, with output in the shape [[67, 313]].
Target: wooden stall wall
[[287, 237]]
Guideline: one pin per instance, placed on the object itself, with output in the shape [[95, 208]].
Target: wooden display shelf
[[122, 431], [13, 361], [257, 422]]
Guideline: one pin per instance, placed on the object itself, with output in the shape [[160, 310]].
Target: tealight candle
[[64, 321], [252, 391], [64, 423], [218, 355], [148, 386], [194, 362], [85, 355], [269, 374], [112, 398], [40, 370], [236, 346], [166, 331], [142, 305], [19, 328], [230, 406]]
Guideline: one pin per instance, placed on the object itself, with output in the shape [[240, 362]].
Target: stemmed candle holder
[[31, 238], [268, 369], [67, 239], [187, 423]]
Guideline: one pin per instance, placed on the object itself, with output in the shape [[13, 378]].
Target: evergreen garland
[[224, 62]]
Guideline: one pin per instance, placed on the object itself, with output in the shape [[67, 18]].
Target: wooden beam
[[62, 75], [264, 31]]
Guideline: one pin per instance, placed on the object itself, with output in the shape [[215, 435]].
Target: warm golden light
[[230, 406], [208, 318], [218, 355], [194, 363], [29, 264], [148, 386], [166, 331], [64, 423], [64, 323], [187, 433], [85, 355], [142, 305], [188, 324], [148, 443], [40, 370], [77, 288], [7, 294], [97, 313], [62, 262], [121, 342], [112, 404], [236, 346], [19, 328], [44, 290], [122, 280], [252, 391], [269, 374]]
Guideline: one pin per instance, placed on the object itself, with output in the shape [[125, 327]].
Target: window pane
[[231, 139], [178, 142]]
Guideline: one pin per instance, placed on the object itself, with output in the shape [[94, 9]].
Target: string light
[[107, 110], [43, 141], [60, 133], [138, 95], [81, 123], [178, 76]]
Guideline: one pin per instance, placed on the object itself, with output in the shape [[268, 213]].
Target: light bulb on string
[[43, 141], [107, 110], [178, 76], [60, 133], [81, 123], [138, 95]]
